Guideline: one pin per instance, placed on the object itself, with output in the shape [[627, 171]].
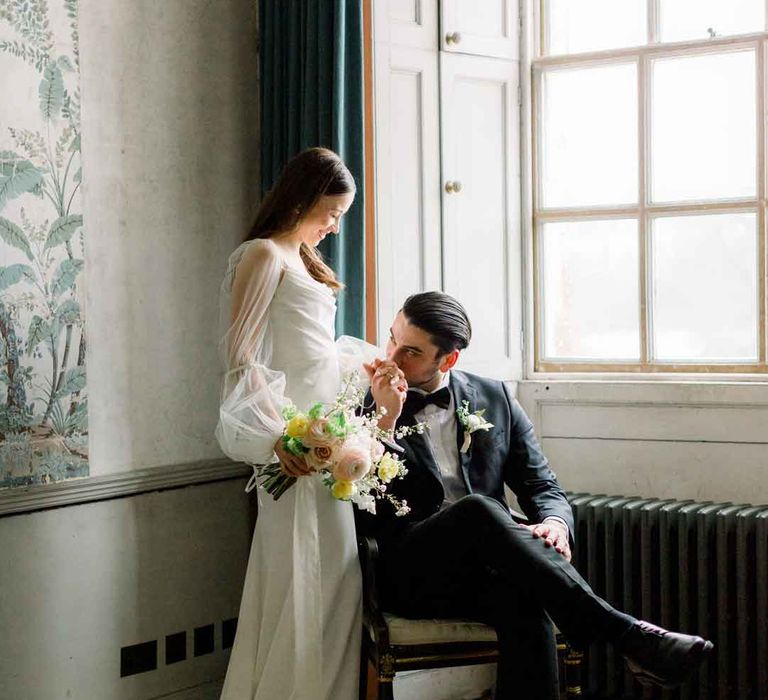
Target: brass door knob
[[453, 38], [453, 186]]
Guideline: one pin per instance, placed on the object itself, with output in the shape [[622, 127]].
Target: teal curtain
[[311, 55]]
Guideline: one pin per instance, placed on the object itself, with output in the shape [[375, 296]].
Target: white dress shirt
[[441, 438]]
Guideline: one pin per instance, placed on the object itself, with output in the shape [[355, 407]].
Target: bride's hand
[[290, 464], [389, 389]]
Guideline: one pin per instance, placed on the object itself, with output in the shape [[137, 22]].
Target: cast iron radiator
[[693, 567]]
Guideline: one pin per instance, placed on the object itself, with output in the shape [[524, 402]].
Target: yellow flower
[[388, 468], [297, 426], [343, 490]]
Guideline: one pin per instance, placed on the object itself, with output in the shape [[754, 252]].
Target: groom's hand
[[388, 388], [555, 534]]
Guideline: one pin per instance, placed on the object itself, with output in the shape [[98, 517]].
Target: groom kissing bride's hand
[[389, 389]]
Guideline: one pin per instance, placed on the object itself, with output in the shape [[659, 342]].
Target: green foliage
[[30, 19], [65, 275], [294, 446], [31, 142], [51, 92], [7, 156], [38, 331], [12, 274], [15, 237], [56, 466], [70, 110], [65, 423], [71, 8], [16, 178], [63, 229], [316, 411], [337, 424], [289, 412], [62, 143], [65, 64], [43, 164], [36, 58], [79, 417], [74, 380], [68, 313], [13, 420]]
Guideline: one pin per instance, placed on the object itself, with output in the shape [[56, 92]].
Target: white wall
[[79, 583], [170, 129], [695, 440]]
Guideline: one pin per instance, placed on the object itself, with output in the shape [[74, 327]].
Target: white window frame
[[532, 30]]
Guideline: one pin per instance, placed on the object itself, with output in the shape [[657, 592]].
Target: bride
[[298, 633]]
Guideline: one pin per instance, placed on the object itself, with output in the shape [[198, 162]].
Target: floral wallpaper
[[43, 396]]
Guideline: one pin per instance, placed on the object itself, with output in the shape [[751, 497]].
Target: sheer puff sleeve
[[253, 395]]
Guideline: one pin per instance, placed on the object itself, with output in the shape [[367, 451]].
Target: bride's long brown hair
[[308, 176]]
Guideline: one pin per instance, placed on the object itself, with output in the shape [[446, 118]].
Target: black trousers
[[472, 560]]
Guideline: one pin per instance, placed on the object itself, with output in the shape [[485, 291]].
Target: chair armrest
[[373, 617]]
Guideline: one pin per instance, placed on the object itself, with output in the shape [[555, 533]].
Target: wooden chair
[[392, 643]]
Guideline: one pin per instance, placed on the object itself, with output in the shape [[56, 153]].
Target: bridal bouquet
[[346, 448]]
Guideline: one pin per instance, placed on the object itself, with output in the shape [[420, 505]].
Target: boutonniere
[[471, 422]]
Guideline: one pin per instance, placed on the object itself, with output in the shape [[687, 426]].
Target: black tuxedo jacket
[[509, 453]]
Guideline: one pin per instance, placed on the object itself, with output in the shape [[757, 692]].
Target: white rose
[[474, 422]]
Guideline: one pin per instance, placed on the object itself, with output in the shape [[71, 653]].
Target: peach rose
[[353, 462], [320, 456], [317, 434]]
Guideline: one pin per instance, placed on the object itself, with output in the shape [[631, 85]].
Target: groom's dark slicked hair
[[442, 316]]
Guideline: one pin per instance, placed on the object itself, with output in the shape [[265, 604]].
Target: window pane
[[703, 130], [591, 25], [589, 139], [705, 287], [591, 298], [697, 19]]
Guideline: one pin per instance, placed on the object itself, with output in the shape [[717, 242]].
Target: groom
[[459, 552]]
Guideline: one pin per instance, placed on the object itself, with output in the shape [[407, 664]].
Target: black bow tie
[[416, 401]]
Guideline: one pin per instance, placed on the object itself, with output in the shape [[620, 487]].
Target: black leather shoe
[[656, 656]]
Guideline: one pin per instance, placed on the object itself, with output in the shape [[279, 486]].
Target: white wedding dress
[[298, 632]]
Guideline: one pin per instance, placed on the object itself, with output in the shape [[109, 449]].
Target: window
[[649, 186]]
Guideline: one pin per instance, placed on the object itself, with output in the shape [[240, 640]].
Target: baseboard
[[206, 691]]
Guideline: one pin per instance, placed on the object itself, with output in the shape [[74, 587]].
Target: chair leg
[[386, 677], [363, 694], [385, 689], [562, 649], [573, 664]]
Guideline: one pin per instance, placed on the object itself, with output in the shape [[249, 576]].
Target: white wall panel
[[485, 28], [685, 423], [665, 440], [411, 23], [407, 176], [481, 241], [698, 471]]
